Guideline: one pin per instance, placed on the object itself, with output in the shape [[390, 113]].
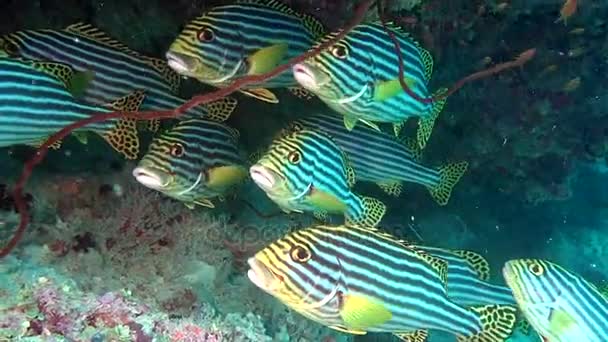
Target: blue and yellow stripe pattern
[[35, 102], [115, 70], [359, 78], [306, 171], [359, 280], [244, 38], [560, 305], [381, 158], [194, 162]]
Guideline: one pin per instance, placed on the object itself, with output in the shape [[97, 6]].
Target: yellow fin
[[80, 82], [477, 262], [101, 37], [449, 175], [76, 82], [326, 202], [360, 313], [387, 89], [348, 331], [411, 145], [373, 212], [413, 336], [123, 136], [82, 136], [426, 123], [301, 92], [220, 110], [371, 124], [497, 323], [392, 188], [224, 177], [261, 94], [427, 61], [350, 121], [205, 203], [560, 320], [267, 59]]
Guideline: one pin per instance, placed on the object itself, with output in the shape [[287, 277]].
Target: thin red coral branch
[[148, 115]]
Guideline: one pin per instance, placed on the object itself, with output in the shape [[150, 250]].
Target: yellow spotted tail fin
[[426, 123], [497, 323], [123, 136], [373, 212], [449, 175]]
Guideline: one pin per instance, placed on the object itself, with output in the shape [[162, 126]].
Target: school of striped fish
[[352, 277]]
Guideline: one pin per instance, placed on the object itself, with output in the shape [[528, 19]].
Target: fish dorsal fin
[[274, 4], [93, 33], [477, 262], [314, 26]]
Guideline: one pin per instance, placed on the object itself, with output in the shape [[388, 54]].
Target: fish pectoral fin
[[413, 336], [497, 323], [220, 110], [361, 312], [449, 175], [301, 93], [325, 201], [476, 261], [81, 136], [204, 202], [386, 89], [261, 94], [224, 177], [123, 137], [266, 59], [371, 124], [561, 321], [426, 123], [76, 82], [350, 121], [189, 205], [392, 188], [373, 212]]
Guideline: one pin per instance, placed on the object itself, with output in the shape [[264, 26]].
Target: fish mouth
[[264, 177], [181, 63], [261, 276], [309, 77], [152, 178]]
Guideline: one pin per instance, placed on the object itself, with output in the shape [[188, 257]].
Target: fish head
[[286, 171], [290, 270], [207, 48], [341, 73], [174, 165]]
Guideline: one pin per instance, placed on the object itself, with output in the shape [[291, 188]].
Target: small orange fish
[[568, 9], [572, 85]]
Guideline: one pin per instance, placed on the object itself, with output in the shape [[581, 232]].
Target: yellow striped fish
[[194, 162], [359, 280], [560, 305], [305, 171], [248, 37]]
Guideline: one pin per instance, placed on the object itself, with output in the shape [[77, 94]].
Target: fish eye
[[177, 150], [10, 48], [294, 157], [536, 269], [300, 254], [206, 35], [339, 51]]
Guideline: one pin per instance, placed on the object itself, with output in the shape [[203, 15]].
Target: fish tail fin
[[220, 110], [497, 323], [373, 212], [449, 175], [426, 124], [123, 135]]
